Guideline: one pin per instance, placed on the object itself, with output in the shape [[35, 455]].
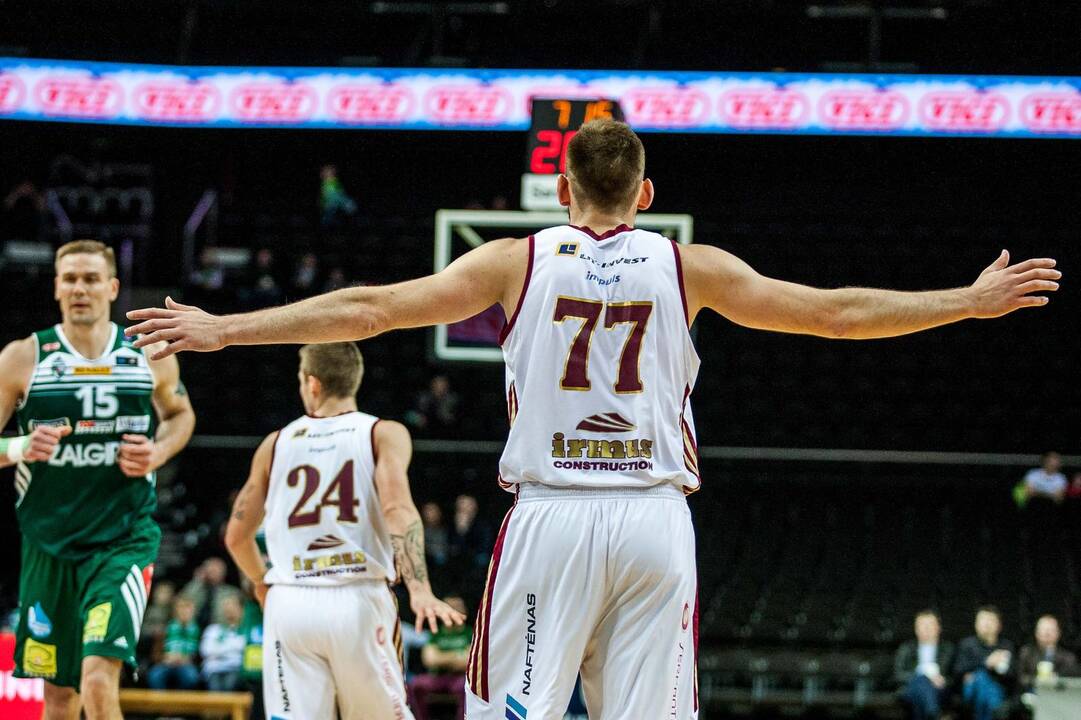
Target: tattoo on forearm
[[409, 554], [241, 503]]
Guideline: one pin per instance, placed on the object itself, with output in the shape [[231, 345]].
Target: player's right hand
[[182, 327], [1002, 288], [43, 441]]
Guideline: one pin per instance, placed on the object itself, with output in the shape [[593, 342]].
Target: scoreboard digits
[[554, 123]]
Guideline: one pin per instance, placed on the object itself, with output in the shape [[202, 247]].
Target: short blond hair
[[88, 247], [338, 366], [606, 164]]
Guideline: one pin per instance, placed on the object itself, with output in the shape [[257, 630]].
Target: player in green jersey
[[96, 418]]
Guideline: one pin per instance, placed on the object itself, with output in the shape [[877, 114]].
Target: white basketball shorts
[[600, 582], [333, 647]]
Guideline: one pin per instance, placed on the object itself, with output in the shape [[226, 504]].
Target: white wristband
[[16, 446]]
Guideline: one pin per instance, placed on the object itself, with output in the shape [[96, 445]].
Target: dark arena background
[[846, 485]]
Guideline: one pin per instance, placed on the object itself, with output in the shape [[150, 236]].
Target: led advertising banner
[[454, 99]]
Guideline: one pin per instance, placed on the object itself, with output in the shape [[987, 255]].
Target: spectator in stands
[[1074, 490], [470, 541], [222, 648], [208, 590], [177, 670], [335, 279], [445, 658], [334, 203], [307, 272], [919, 667], [262, 287], [1045, 658], [437, 408], [985, 665], [1047, 481], [436, 540], [159, 612]]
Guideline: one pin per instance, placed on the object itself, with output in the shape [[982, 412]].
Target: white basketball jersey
[[324, 524], [600, 364]]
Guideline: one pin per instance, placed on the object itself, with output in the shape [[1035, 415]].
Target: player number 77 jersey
[[324, 524], [600, 364]]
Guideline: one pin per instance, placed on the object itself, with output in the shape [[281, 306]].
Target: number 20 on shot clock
[[554, 123]]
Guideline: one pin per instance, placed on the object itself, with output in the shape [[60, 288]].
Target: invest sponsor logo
[[602, 281], [79, 97], [569, 249]]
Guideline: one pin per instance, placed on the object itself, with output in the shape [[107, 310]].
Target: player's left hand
[[182, 327], [137, 455], [430, 609]]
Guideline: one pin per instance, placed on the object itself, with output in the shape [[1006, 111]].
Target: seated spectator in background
[[919, 665], [334, 204], [436, 543], [222, 648], [305, 276], [1046, 481], [1074, 490], [1045, 658], [177, 670], [445, 658], [23, 209], [436, 410], [208, 590], [985, 665], [158, 613]]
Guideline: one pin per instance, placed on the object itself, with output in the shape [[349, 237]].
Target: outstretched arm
[[721, 281], [248, 511], [394, 449], [492, 273]]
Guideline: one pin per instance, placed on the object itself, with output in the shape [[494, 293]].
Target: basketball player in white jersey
[[340, 527], [593, 569]]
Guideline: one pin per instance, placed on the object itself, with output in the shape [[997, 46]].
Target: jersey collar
[[611, 233]]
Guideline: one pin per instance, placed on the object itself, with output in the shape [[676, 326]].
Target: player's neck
[[88, 340], [334, 406], [601, 222]]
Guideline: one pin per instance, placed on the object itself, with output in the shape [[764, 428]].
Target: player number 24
[[576, 368], [340, 492]]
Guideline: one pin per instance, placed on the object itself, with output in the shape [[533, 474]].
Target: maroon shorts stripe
[[479, 685], [695, 636]]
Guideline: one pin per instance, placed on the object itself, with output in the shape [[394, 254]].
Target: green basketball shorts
[[71, 609]]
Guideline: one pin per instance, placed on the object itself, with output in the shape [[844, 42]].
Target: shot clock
[[554, 123]]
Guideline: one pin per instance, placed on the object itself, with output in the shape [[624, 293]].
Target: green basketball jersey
[[80, 500]]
